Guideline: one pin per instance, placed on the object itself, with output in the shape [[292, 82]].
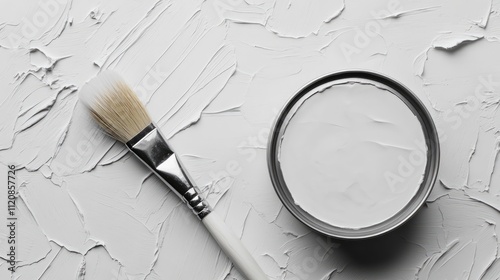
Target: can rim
[[430, 174]]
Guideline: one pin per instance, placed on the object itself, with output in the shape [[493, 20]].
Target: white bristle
[[115, 106]]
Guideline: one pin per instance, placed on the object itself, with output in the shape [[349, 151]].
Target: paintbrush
[[122, 115]]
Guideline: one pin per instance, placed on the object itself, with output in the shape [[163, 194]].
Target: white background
[[214, 75]]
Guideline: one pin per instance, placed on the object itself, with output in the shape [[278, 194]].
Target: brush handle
[[233, 248], [152, 149]]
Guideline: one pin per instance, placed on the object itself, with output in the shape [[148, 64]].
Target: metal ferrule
[[152, 149]]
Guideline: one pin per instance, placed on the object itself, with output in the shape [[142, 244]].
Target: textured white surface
[[214, 74]]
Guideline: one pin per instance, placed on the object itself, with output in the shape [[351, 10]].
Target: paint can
[[422, 191]]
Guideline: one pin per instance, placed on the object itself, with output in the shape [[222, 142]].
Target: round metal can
[[429, 177]]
